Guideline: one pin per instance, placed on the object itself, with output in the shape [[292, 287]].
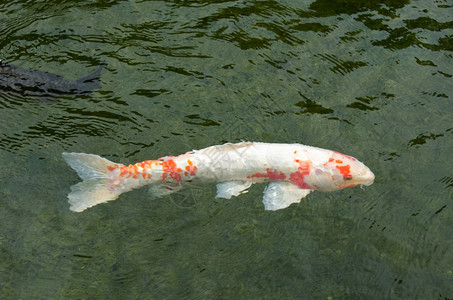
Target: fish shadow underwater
[[43, 85]]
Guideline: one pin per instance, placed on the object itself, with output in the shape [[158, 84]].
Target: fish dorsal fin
[[281, 194], [228, 189]]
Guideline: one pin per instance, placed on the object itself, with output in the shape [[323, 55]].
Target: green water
[[372, 79]]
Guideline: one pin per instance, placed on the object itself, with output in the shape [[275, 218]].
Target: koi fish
[[294, 171], [38, 83]]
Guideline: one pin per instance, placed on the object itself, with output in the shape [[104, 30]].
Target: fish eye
[[347, 177]]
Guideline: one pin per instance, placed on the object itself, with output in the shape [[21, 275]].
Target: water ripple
[[369, 78]]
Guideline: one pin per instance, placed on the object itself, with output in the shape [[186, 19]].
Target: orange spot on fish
[[347, 156], [190, 169], [272, 175], [123, 171], [111, 168], [134, 171], [330, 160], [170, 169], [298, 177], [345, 171]]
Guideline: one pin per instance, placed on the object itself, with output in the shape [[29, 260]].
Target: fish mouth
[[367, 179], [367, 183]]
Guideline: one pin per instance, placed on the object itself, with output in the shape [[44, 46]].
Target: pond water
[[372, 79]]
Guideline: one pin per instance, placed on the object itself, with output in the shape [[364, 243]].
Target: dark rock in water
[[43, 84]]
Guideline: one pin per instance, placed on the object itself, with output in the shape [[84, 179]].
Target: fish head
[[342, 171]]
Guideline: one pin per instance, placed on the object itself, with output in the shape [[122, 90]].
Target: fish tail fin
[[98, 182], [93, 78]]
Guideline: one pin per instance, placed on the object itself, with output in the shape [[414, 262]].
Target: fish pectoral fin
[[161, 190], [232, 188], [281, 194]]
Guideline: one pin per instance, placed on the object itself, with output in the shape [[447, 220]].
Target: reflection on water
[[369, 78]]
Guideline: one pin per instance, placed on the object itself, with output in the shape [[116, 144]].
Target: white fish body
[[294, 170]]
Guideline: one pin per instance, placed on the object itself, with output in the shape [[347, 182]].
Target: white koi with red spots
[[294, 170]]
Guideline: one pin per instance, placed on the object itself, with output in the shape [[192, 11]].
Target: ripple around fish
[[10, 26], [424, 137], [341, 66], [325, 8], [197, 120], [448, 181], [10, 100], [63, 124], [150, 93]]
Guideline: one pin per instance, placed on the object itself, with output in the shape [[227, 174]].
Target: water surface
[[370, 79]]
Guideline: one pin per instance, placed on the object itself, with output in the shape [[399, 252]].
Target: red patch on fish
[[345, 171], [170, 169], [125, 171], [347, 156], [272, 175], [298, 177], [111, 168], [190, 169], [133, 170]]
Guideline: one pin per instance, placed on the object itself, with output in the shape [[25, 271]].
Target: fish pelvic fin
[[99, 184], [281, 194], [232, 188]]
